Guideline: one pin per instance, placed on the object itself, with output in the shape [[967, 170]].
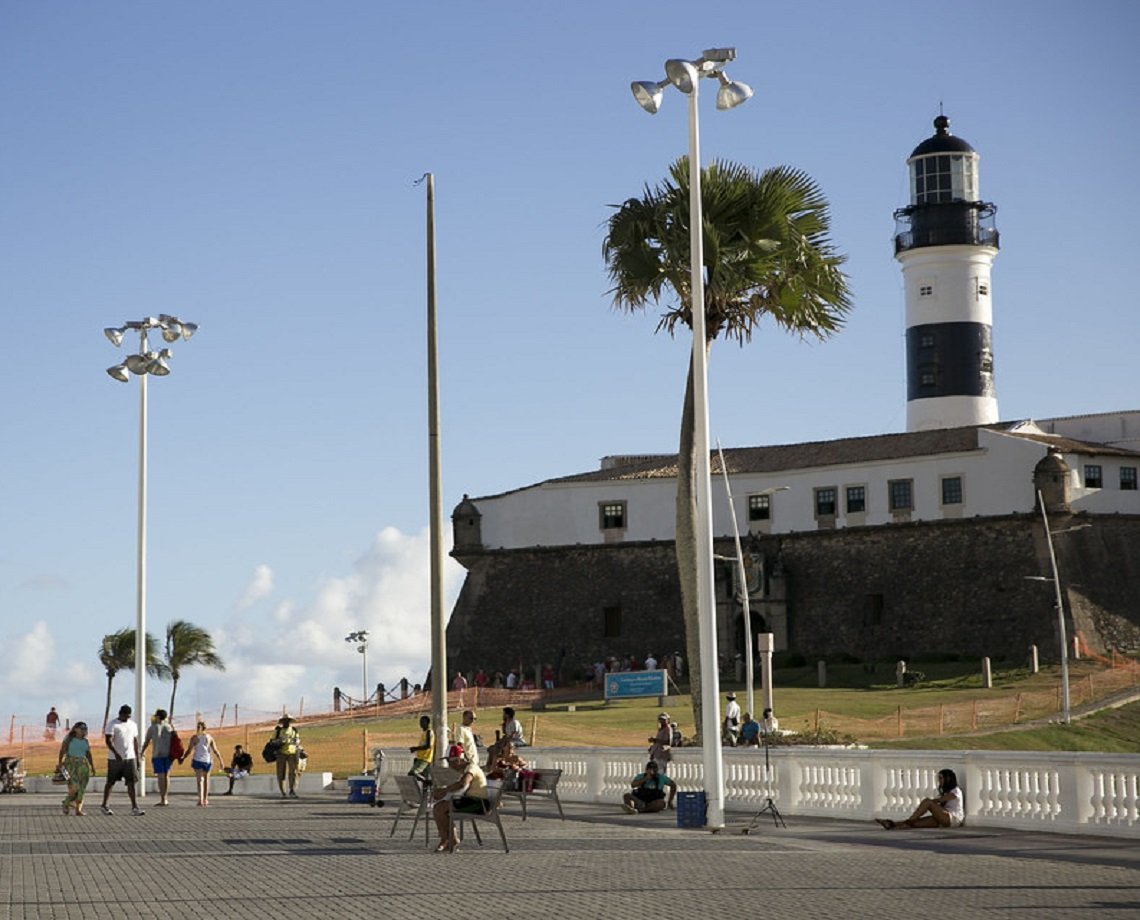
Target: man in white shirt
[[650, 662], [731, 721], [122, 762], [465, 737]]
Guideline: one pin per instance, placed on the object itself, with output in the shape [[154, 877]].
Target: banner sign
[[636, 683]]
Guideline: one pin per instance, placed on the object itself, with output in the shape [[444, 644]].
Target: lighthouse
[[946, 241]]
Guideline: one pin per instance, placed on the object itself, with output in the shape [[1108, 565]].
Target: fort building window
[[1128, 478], [1094, 476], [825, 502], [951, 490], [612, 515], [901, 493], [759, 507], [856, 499], [611, 622]]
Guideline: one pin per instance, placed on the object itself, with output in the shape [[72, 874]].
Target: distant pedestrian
[[122, 739], [459, 684], [548, 677], [423, 753], [75, 758], [51, 724], [731, 727], [203, 753], [288, 755], [465, 736], [158, 734], [661, 744], [650, 662]]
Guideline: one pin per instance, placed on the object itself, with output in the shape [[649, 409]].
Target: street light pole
[[686, 76], [360, 637], [144, 364], [1065, 710]]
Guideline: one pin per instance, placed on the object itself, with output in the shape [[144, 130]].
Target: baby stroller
[[11, 776]]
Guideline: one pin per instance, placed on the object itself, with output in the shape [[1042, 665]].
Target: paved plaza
[[321, 856]]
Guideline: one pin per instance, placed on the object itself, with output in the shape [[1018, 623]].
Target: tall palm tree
[[766, 254], [117, 653], [188, 645]]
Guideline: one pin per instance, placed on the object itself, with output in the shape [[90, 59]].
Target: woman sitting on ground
[[945, 810]]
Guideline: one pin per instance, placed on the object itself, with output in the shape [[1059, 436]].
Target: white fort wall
[[997, 479]]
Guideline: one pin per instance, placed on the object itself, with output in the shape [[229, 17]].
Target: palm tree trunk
[[685, 547], [107, 708], [173, 690]]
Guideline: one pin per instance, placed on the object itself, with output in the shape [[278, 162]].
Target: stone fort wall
[[900, 590]]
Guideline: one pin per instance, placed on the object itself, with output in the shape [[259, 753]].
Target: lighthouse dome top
[[942, 141]]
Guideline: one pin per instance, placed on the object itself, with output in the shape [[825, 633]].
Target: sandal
[[885, 823]]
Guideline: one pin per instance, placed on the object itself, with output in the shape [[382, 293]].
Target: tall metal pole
[[712, 755], [140, 577], [1065, 712], [743, 575], [438, 626]]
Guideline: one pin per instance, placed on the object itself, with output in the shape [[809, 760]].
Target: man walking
[[122, 762]]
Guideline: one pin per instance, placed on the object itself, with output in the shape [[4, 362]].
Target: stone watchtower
[[466, 527], [1052, 478], [946, 242]]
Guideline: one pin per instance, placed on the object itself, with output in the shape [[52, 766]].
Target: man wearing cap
[[122, 762], [731, 721], [661, 744], [288, 755], [466, 794], [648, 792]]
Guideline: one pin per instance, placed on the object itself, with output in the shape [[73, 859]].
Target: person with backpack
[[288, 756], [158, 737]]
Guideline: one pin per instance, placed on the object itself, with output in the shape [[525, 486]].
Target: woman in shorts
[[944, 810], [200, 747]]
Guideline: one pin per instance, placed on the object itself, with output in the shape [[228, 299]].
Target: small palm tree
[[766, 254], [117, 653], [188, 645]]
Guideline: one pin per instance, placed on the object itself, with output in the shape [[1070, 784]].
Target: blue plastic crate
[[691, 809]]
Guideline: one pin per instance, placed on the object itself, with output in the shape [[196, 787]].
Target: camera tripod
[[769, 807]]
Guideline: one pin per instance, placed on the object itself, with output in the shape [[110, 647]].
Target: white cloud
[[260, 585], [276, 655]]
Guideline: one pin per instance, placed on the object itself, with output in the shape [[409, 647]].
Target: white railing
[[1061, 792]]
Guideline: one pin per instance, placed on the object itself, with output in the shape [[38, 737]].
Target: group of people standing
[[76, 763]]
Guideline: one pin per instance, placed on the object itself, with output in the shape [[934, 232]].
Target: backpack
[[176, 748], [269, 752]]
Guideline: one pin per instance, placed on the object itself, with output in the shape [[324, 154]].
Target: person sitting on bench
[[241, 765]]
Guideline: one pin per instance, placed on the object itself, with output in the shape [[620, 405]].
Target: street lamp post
[[360, 637], [143, 364], [685, 76], [742, 574], [1061, 634]]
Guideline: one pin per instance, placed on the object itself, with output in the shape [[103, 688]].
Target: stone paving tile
[[321, 857]]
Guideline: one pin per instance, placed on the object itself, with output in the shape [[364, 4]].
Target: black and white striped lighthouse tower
[[946, 241]]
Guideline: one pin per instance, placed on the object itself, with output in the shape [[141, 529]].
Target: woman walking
[[201, 746], [75, 757]]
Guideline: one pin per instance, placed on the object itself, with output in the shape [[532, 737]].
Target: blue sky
[[250, 167]]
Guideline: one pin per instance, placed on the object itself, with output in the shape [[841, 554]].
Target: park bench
[[542, 783]]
